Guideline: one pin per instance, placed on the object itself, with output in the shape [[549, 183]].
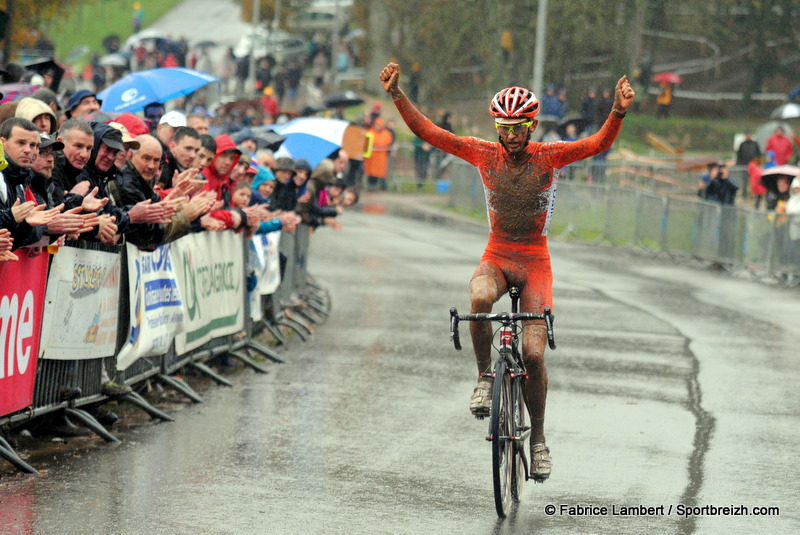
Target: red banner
[[22, 286]]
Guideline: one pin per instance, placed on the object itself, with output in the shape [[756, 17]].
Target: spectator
[[269, 103], [20, 214], [664, 100], [183, 150], [265, 158], [81, 103], [590, 109], [285, 197], [756, 187], [376, 164], [308, 207], [152, 114], [777, 200], [721, 190], [550, 105], [134, 184], [748, 150], [422, 160], [262, 187], [217, 173], [711, 173], [165, 132], [208, 149], [294, 76], [563, 104], [781, 146], [226, 69], [38, 112], [78, 139], [286, 221], [199, 122]]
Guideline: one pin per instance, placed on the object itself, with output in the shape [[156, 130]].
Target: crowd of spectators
[[147, 180]]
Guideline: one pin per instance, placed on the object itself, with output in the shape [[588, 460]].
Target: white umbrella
[[113, 60], [790, 110]]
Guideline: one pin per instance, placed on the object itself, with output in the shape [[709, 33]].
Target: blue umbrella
[[316, 138], [137, 90]]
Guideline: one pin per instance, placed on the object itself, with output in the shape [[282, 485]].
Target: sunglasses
[[509, 128]]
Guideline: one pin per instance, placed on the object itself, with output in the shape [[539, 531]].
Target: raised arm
[[463, 147]]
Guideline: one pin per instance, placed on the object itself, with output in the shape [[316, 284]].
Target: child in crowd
[[286, 221]]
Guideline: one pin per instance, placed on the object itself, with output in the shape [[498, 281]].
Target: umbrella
[[144, 35], [770, 176], [137, 90], [345, 100], [206, 44], [316, 138], [580, 123], [47, 65], [100, 117], [14, 92], [790, 110], [268, 139], [113, 60], [668, 77]]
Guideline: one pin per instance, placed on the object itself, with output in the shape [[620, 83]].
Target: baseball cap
[[127, 139], [173, 118], [77, 96], [253, 169], [50, 141], [113, 138]]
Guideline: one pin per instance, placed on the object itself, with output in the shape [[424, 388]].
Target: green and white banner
[[209, 268]]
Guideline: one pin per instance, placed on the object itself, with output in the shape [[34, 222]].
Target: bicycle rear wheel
[[502, 446]]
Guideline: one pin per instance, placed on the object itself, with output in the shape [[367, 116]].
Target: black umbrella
[[769, 177], [580, 125], [205, 44], [346, 99], [47, 66], [267, 139]]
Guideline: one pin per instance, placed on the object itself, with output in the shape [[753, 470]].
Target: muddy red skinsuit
[[520, 194]]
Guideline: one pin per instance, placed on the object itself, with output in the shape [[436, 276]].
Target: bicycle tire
[[502, 448], [519, 468]]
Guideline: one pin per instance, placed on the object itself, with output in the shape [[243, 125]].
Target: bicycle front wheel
[[502, 446]]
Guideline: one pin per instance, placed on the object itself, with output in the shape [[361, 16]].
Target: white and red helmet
[[513, 104]]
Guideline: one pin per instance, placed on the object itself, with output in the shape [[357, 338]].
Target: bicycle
[[508, 427]]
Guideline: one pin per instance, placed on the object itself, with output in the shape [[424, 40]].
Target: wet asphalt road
[[670, 386]]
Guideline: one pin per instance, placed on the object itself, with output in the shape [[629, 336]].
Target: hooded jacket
[[31, 108], [221, 184]]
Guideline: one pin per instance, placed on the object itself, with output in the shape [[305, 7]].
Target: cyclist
[[520, 188]]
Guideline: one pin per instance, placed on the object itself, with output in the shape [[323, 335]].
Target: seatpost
[[514, 293]]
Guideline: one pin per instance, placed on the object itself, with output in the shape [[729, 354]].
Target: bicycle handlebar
[[501, 317]]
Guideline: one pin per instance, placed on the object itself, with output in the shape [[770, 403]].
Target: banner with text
[[81, 306], [156, 308], [210, 269], [21, 302]]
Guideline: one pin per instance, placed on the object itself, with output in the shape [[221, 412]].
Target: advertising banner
[[21, 302], [269, 282], [156, 308], [210, 270], [81, 305]]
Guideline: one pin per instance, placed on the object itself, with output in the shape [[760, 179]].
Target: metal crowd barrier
[[67, 384], [737, 238]]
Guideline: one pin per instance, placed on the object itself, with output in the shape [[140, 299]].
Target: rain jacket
[[310, 211], [222, 184]]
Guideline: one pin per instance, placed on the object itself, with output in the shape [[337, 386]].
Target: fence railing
[[764, 243], [89, 317]]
